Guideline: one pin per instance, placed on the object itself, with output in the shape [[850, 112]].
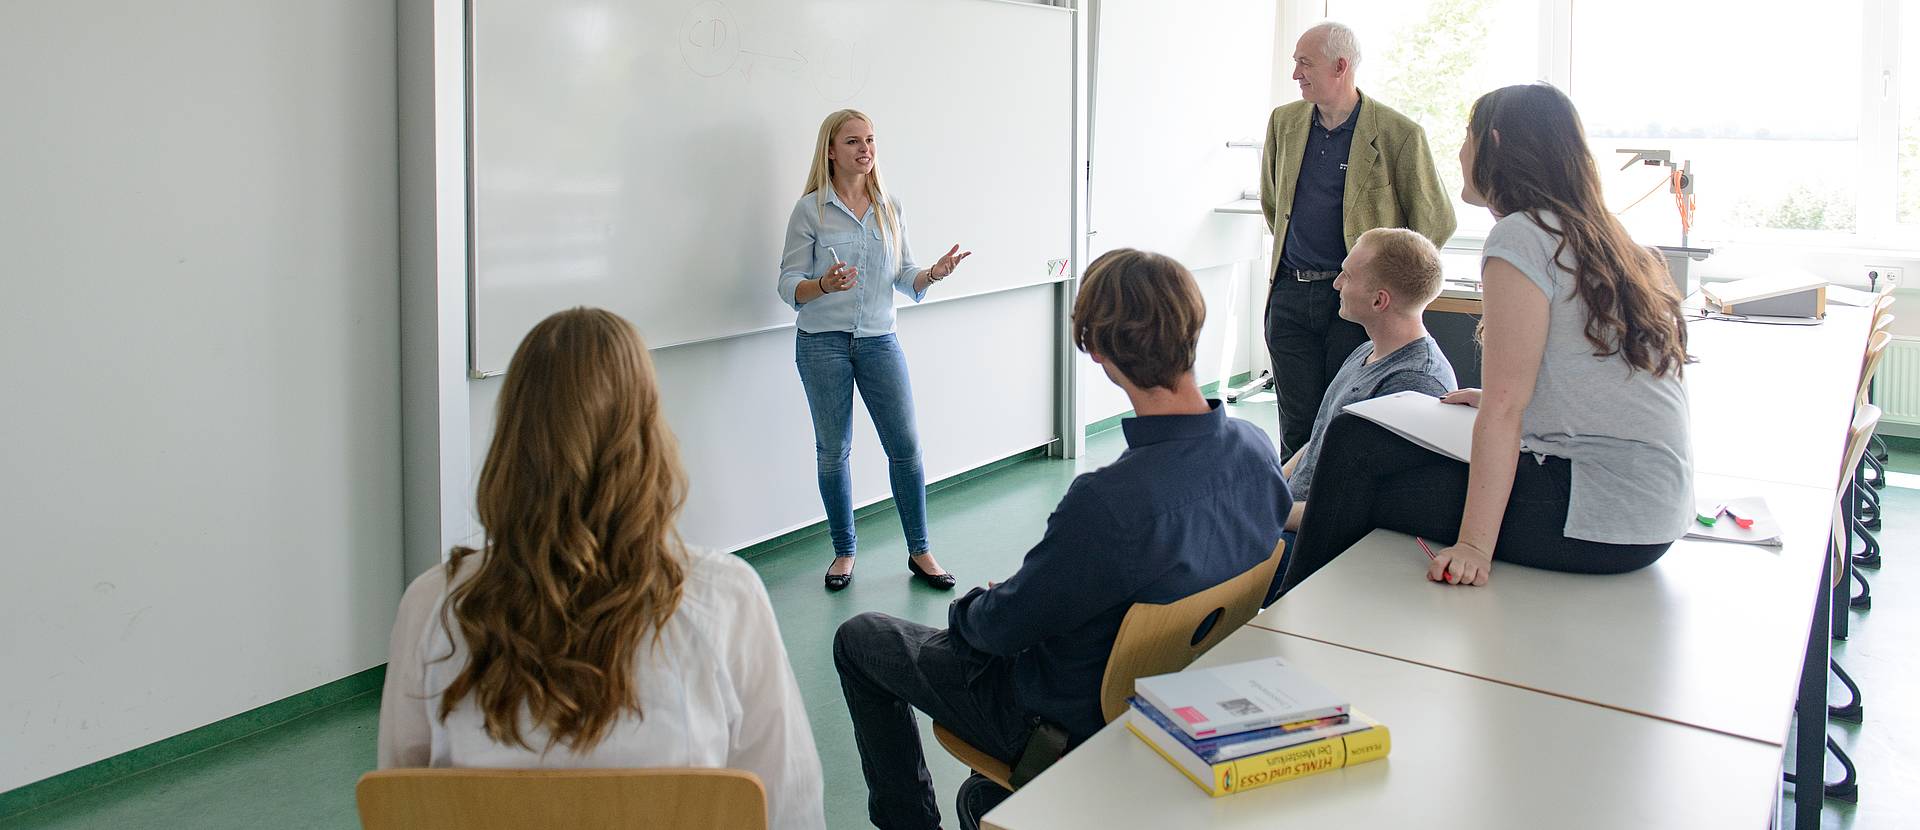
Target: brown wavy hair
[[1538, 163], [1143, 312], [578, 496]]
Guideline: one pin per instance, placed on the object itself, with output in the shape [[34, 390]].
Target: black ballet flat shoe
[[943, 582], [836, 582]]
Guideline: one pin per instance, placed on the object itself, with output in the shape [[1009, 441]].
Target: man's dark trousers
[[1307, 341]]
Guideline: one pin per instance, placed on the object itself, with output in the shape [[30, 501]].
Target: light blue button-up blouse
[[866, 310]]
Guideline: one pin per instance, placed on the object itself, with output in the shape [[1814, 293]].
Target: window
[[1798, 122], [1762, 97], [1908, 59], [1429, 59]]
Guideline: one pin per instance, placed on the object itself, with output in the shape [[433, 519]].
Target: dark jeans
[[890, 667], [1371, 478], [831, 363], [1307, 341]]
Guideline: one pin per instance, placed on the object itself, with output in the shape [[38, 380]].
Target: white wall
[[1226, 290], [437, 495], [198, 340], [1176, 82], [983, 377]]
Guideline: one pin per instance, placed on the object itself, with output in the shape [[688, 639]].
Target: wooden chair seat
[[980, 762]]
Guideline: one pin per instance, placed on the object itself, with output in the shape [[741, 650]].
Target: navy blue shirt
[[1316, 233], [1193, 502]]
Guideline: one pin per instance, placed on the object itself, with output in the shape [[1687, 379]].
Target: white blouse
[[716, 692]]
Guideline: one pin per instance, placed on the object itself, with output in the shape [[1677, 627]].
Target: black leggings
[[1370, 478]]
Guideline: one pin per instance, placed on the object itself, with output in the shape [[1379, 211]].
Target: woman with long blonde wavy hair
[[585, 633], [846, 253]]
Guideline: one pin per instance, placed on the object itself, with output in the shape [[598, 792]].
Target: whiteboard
[[644, 155]]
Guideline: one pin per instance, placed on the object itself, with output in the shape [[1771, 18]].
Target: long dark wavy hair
[[1539, 162], [578, 496]]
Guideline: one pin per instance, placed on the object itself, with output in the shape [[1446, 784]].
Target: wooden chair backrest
[[585, 799], [1161, 638], [1870, 362], [1865, 418]]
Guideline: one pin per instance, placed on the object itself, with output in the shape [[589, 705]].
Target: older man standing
[[1336, 165]]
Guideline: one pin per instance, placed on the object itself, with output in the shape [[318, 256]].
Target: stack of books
[[1246, 725]]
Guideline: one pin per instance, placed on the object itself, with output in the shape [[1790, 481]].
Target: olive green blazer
[[1391, 181]]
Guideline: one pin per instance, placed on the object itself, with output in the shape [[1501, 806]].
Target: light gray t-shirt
[[1625, 431], [1418, 367]]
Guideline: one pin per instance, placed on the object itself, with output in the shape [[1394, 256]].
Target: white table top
[[1773, 402], [1466, 754], [1711, 635]]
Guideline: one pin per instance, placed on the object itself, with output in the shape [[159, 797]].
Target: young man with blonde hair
[[1384, 287], [1196, 499]]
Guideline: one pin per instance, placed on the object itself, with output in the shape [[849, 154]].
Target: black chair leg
[[1877, 449], [1847, 788], [1864, 599], [1878, 478], [1869, 555], [1853, 709]]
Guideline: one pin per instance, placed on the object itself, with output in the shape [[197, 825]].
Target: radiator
[[1896, 388]]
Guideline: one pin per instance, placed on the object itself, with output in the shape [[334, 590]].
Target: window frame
[[1877, 160]]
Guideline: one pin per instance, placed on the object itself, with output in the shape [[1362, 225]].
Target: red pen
[[1424, 549], [1743, 522]]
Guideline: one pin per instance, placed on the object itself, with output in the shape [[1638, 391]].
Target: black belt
[[1308, 276]]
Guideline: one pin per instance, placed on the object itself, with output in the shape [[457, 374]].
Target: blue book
[[1240, 745]]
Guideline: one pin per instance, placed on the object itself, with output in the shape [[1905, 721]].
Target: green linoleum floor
[[301, 774]]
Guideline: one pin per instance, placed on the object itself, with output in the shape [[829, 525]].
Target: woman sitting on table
[[585, 634], [1581, 456]]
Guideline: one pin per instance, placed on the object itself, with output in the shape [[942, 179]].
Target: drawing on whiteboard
[[713, 43], [793, 64], [842, 73], [709, 39]]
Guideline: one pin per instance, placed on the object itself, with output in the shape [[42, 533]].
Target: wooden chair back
[[584, 799], [1865, 418], [1877, 344], [1157, 639]]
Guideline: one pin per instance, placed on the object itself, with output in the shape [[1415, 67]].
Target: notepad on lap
[[1441, 427], [1726, 528]]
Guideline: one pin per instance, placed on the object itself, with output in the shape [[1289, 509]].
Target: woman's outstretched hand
[[944, 268]]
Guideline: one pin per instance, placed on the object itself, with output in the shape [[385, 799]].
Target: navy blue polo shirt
[[1193, 502], [1316, 235]]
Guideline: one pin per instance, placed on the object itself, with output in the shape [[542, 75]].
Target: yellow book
[[1284, 764]]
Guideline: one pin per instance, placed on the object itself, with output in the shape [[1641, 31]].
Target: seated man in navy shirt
[[1196, 499]]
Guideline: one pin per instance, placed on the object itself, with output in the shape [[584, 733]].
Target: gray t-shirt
[[1625, 431], [1418, 366]]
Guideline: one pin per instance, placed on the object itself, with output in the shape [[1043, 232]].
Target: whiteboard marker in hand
[[837, 262]]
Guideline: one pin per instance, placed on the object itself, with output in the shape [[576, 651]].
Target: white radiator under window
[[1896, 388]]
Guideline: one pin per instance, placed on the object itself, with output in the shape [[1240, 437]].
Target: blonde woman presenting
[[846, 253]]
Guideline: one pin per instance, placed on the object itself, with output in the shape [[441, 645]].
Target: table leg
[[1810, 748]]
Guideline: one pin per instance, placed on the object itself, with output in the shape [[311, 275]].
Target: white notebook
[[1238, 697], [1444, 428], [1726, 528]]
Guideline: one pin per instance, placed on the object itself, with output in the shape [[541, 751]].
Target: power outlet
[[1880, 274]]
